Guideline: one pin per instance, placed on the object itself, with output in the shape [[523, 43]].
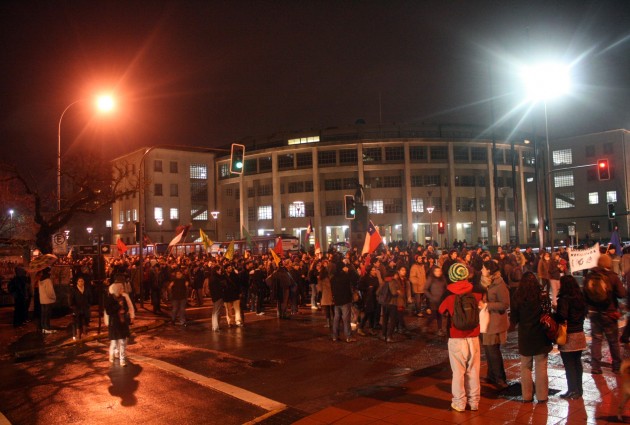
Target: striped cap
[[457, 272]]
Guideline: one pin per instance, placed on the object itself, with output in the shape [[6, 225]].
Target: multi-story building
[[291, 180]]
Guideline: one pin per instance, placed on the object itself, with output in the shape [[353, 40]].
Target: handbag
[[561, 335], [484, 320], [548, 323]]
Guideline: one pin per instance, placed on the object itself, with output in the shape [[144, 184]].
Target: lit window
[[174, 214], [562, 157], [199, 171], [563, 179], [611, 196], [593, 198], [135, 214], [128, 215], [296, 209], [265, 212], [417, 205], [121, 217], [375, 206], [565, 200], [302, 140], [158, 213], [199, 215], [108, 223]]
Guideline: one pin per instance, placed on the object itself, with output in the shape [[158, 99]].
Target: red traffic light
[[441, 227], [603, 169]]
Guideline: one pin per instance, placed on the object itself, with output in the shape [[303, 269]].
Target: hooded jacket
[[448, 305]]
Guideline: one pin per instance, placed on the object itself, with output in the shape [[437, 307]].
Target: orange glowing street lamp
[[104, 103]]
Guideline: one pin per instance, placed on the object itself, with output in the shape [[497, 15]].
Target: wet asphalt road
[[190, 375]]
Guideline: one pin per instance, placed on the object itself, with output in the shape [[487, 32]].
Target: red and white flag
[[278, 248], [122, 248], [182, 231], [318, 249], [372, 239]]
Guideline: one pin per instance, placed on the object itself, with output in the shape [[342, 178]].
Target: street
[[270, 371]]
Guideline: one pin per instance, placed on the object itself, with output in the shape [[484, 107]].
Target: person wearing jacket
[[572, 309], [463, 345], [543, 270], [47, 298], [418, 278], [554, 277], [341, 286], [119, 315], [368, 285], [80, 304], [533, 344], [497, 300], [604, 319], [218, 283], [434, 292], [323, 286]]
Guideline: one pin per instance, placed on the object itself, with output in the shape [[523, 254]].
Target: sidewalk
[[427, 398]]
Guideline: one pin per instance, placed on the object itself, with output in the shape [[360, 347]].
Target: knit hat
[[457, 272], [604, 261]]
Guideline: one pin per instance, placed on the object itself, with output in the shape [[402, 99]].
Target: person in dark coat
[[341, 285], [80, 304], [119, 315], [533, 344], [19, 290], [572, 309], [283, 283], [368, 285]]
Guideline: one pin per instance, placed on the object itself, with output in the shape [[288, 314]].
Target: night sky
[[211, 73]]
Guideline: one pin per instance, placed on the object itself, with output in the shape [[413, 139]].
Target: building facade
[[412, 179]]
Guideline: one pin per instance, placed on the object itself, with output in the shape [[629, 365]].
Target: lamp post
[[430, 211], [544, 82], [104, 104], [11, 223], [159, 222], [215, 216]]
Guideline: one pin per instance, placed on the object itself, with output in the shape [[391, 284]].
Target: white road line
[[236, 392]]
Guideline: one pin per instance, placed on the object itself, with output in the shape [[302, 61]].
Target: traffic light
[[237, 158], [603, 169], [350, 207], [441, 227], [611, 212]]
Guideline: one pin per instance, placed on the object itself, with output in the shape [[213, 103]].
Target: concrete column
[[277, 197], [318, 224], [407, 214], [492, 226]]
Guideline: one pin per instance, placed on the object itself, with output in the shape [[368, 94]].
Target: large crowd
[[376, 294]]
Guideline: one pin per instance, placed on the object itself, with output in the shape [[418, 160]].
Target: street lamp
[[215, 216], [544, 82], [159, 222], [104, 103], [430, 211]]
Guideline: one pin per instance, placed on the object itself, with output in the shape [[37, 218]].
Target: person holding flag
[[372, 239]]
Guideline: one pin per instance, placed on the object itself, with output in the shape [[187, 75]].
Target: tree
[[90, 185]]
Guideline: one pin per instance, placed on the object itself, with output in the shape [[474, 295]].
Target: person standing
[[231, 297], [497, 300], [572, 309], [533, 344], [19, 290], [119, 316], [604, 315], [418, 278], [47, 298], [435, 290], [341, 285], [463, 344], [217, 293], [179, 289], [80, 304]]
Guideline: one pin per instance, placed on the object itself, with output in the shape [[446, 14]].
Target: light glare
[[546, 81], [105, 103]]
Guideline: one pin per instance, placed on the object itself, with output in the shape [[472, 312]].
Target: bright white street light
[[546, 81], [105, 103]]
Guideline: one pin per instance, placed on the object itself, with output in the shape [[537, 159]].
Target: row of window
[[563, 157], [393, 154], [567, 199]]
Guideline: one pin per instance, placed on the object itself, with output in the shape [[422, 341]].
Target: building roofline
[[188, 148]]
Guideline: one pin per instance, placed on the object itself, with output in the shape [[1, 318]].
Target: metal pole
[[549, 184], [514, 196], [59, 154]]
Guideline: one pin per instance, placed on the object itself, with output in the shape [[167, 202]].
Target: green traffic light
[[239, 164], [352, 211]]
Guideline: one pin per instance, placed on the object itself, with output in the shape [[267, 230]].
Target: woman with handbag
[[572, 309], [533, 344]]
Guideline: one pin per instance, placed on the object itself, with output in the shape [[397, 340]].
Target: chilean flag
[[372, 239]]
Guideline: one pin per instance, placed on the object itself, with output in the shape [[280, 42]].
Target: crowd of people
[[376, 294]]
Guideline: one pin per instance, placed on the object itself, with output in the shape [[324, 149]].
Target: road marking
[[252, 398]]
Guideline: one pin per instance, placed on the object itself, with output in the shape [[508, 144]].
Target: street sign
[[571, 230], [59, 243], [87, 250]]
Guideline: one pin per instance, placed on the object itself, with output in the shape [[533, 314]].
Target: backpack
[[516, 274], [383, 296], [466, 312], [597, 289]]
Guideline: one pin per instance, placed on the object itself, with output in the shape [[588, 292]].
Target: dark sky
[[210, 73]]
